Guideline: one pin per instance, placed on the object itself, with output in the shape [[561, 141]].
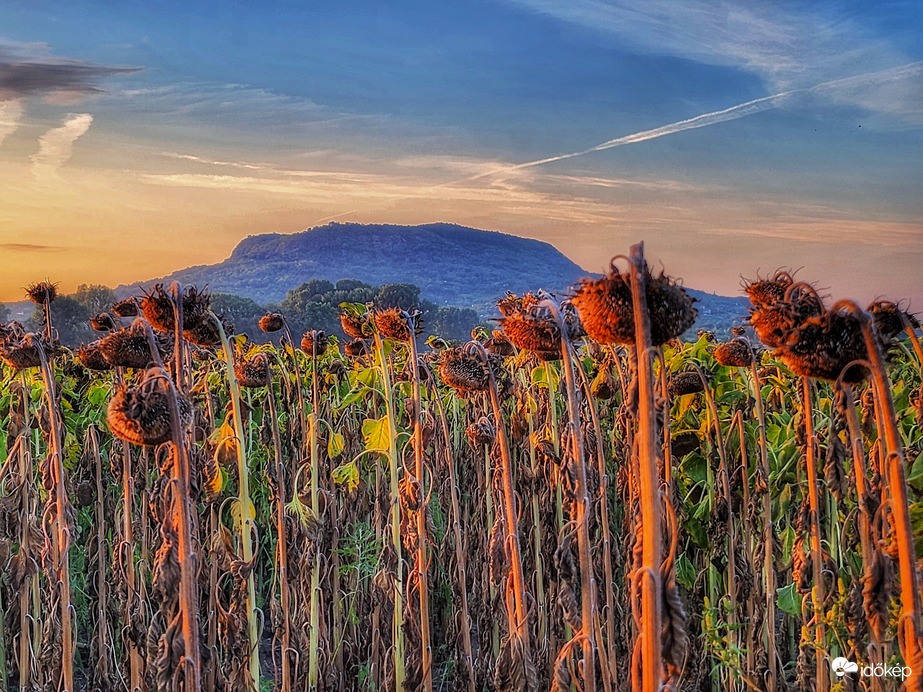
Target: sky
[[733, 138]]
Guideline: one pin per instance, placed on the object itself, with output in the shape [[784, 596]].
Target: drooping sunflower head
[[130, 348], [682, 383], [825, 346], [90, 357], [141, 415], [103, 322], [734, 353], [254, 371], [314, 341], [356, 327], [768, 291], [271, 322], [397, 324], [127, 307], [463, 370], [606, 307]]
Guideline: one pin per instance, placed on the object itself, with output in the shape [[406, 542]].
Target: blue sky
[[733, 137]]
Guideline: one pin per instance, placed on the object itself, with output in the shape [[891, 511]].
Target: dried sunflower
[[606, 307], [823, 347], [355, 348], [464, 370], [129, 347], [42, 292], [481, 432], [768, 291], [157, 306], [271, 322], [90, 357], [254, 371], [127, 307], [314, 341], [206, 334], [683, 383], [103, 322], [353, 326], [141, 415], [20, 350], [774, 323], [499, 345], [395, 323], [734, 353]]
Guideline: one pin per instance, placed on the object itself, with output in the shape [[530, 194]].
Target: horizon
[[732, 140]]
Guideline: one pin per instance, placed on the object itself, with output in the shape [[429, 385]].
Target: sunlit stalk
[[245, 509]]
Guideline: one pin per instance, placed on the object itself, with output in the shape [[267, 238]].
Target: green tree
[[449, 322], [243, 313], [96, 297], [70, 319], [404, 296]]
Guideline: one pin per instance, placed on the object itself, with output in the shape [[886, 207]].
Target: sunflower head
[[606, 307], [356, 327], [42, 292], [90, 357], [481, 432], [103, 322], [271, 322], [463, 370], [127, 307], [254, 371], [355, 348], [768, 291], [141, 415], [314, 341], [734, 353], [397, 324], [683, 383], [824, 346]]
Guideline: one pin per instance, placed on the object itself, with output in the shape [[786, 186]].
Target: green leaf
[[788, 540], [377, 434], [685, 571], [697, 532], [347, 475], [915, 477], [696, 467], [335, 445], [916, 524], [789, 600]]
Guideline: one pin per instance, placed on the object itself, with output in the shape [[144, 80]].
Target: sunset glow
[[135, 141]]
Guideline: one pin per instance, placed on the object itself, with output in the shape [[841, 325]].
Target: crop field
[[575, 500]]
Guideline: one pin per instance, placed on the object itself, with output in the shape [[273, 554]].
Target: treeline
[[312, 305]]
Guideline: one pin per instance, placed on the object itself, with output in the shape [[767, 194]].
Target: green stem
[[245, 507]]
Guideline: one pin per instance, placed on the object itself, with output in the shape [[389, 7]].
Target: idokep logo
[[841, 666]]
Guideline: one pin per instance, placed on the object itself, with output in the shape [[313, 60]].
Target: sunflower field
[[577, 500]]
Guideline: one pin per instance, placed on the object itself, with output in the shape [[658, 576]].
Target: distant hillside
[[452, 265]]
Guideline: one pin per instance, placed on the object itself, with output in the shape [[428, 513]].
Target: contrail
[[741, 110]]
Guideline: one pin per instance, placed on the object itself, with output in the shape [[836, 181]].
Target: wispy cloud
[[786, 46], [29, 69], [833, 88], [10, 115], [56, 145], [30, 247]]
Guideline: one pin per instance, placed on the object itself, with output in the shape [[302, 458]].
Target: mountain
[[452, 265]]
